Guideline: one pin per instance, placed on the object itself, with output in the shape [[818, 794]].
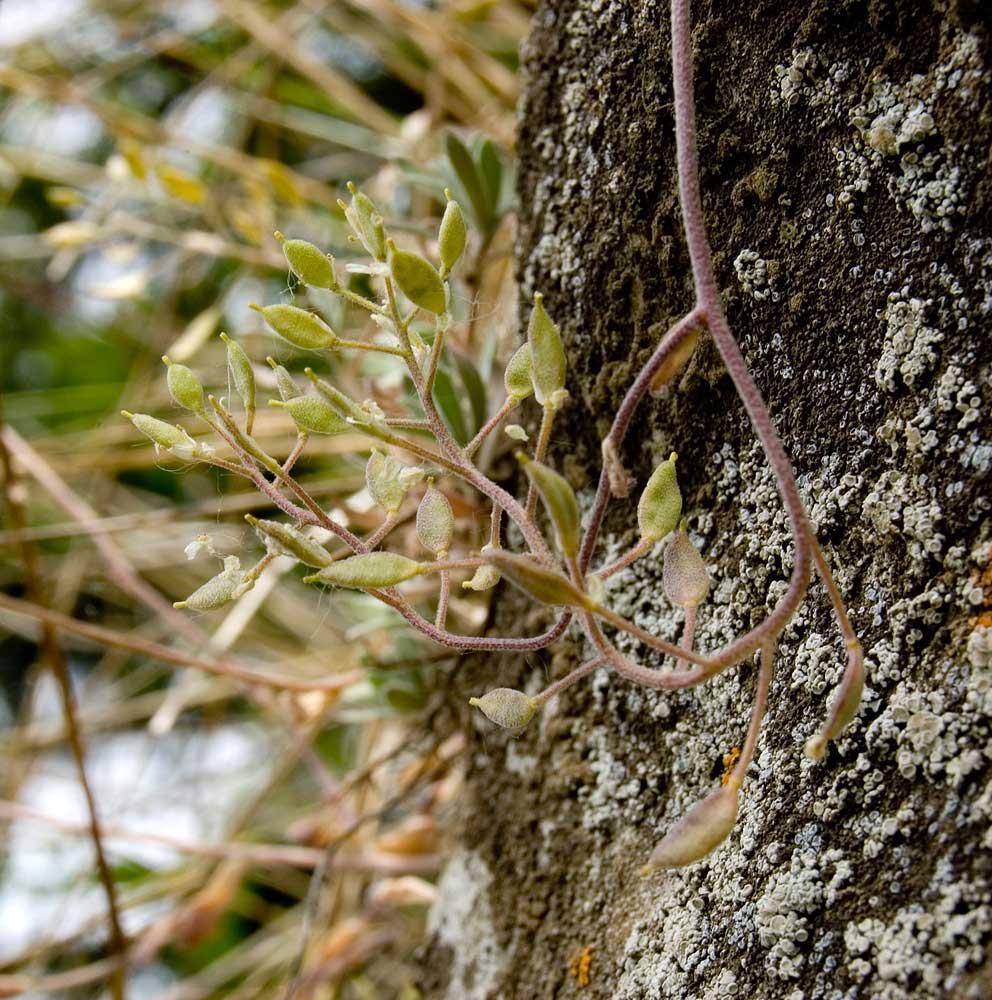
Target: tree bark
[[845, 177]]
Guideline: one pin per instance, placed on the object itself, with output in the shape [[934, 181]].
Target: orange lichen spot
[[729, 760], [581, 965]]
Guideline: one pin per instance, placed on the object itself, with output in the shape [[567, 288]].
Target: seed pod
[[389, 480], [417, 279], [516, 433], [547, 353], [702, 829], [163, 434], [308, 263], [484, 578], [545, 585], [284, 381], [286, 540], [675, 361], [683, 571], [507, 707], [435, 521], [366, 221], [845, 705], [184, 386], [451, 235], [376, 569], [660, 506], [218, 590], [517, 377], [242, 375], [559, 501], [302, 329], [311, 413]]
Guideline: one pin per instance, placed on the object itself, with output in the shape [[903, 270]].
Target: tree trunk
[[846, 183]]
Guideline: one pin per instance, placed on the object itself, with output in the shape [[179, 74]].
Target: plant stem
[[540, 450]]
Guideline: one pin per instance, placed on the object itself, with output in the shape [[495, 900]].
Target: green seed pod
[[451, 236], [845, 705], [484, 578], [435, 521], [660, 506], [702, 829], [163, 434], [389, 480], [507, 707], [302, 329], [683, 572], [417, 279], [377, 569], [308, 263], [675, 362], [218, 590], [559, 501], [284, 539], [184, 386], [545, 585], [242, 375], [366, 221], [284, 381], [311, 413], [547, 353], [517, 377]]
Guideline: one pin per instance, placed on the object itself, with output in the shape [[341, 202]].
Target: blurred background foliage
[[147, 153]]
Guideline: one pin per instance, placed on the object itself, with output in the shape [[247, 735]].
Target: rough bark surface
[[846, 181]]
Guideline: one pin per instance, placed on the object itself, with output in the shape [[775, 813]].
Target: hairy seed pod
[[242, 375], [288, 389], [507, 707], [683, 574], [417, 279], [308, 263], [559, 501], [845, 705], [484, 578], [660, 506], [702, 829], [452, 234], [547, 353], [389, 480], [311, 413], [517, 377], [184, 386], [435, 521], [284, 539], [376, 569], [302, 329], [163, 434], [675, 361], [545, 585], [218, 590], [366, 221]]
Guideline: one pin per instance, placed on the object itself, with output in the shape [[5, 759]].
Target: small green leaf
[[559, 501], [417, 279], [365, 572], [475, 388], [449, 404], [491, 169], [547, 354], [545, 585], [465, 170]]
